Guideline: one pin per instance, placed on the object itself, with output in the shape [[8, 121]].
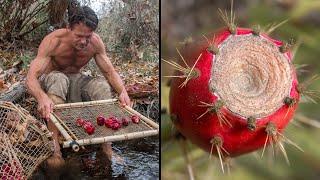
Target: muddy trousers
[[76, 87]]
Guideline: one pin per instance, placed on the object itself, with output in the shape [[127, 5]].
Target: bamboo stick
[[131, 113], [147, 120], [64, 133], [7, 103], [65, 127], [8, 107], [68, 130], [100, 140], [84, 103], [60, 128]]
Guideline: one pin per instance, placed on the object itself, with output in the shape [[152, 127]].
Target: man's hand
[[124, 98], [45, 107]]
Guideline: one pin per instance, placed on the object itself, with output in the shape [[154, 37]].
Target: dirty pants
[[76, 87]]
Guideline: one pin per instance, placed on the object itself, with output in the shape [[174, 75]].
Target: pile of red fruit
[[114, 123], [111, 122], [11, 171], [87, 125]]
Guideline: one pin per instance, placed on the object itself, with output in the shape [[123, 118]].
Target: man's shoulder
[[96, 38], [97, 41], [56, 35], [51, 41], [60, 32]]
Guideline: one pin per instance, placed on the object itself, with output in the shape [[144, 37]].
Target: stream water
[[135, 159]]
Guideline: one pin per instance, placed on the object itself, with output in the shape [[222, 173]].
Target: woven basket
[[24, 142]]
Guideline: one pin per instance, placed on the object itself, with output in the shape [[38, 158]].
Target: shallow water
[[140, 161]]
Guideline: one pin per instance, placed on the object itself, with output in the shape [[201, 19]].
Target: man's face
[[81, 36]]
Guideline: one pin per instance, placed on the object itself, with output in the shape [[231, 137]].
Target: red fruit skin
[[80, 122], [184, 103], [135, 119], [116, 126], [113, 117], [87, 123], [108, 123], [10, 172], [89, 128], [125, 122], [100, 120]]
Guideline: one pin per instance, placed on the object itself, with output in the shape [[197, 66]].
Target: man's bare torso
[[64, 57]]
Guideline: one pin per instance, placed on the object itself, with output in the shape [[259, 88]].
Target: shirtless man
[[54, 75]]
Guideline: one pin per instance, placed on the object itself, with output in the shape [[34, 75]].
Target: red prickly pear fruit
[[100, 120], [87, 123], [80, 122], [108, 123], [112, 117], [116, 125], [89, 128], [235, 87], [135, 119], [125, 121], [6, 168], [10, 171], [115, 121]]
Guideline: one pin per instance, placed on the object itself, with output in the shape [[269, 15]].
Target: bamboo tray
[[65, 115]]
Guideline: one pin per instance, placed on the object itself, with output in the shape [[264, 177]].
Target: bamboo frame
[[65, 127], [132, 111], [114, 138], [60, 128], [77, 104], [64, 133], [75, 148], [72, 141], [147, 120]]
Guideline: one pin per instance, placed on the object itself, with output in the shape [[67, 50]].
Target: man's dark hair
[[83, 14]]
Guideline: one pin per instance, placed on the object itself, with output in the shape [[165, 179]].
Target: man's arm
[[37, 68], [109, 72]]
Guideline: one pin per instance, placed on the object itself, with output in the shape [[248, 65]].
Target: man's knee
[[56, 99], [56, 83], [97, 89]]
